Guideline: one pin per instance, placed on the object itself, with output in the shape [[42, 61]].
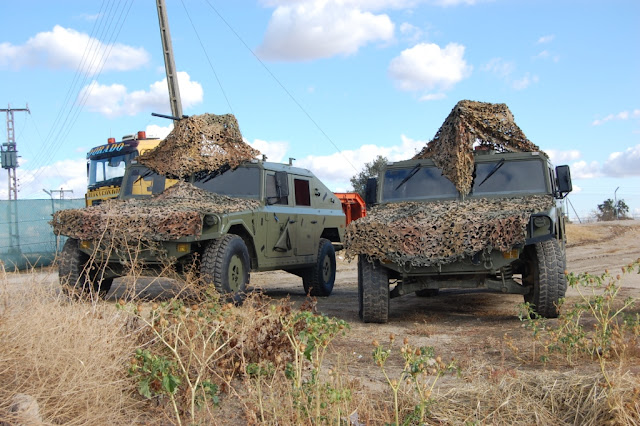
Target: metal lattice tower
[[10, 153]]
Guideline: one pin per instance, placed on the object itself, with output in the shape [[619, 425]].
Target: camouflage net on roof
[[492, 126], [206, 142], [175, 213], [436, 233]]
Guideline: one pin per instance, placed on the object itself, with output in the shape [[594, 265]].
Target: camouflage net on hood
[[206, 142], [490, 125], [436, 233], [175, 213]]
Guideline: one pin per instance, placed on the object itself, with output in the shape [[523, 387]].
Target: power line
[[281, 85]]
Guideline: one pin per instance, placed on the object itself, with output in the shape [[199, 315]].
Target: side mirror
[[282, 184], [563, 181], [371, 192]]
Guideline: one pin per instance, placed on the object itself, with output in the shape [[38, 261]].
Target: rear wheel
[[225, 263], [319, 279], [76, 276], [373, 291], [545, 275]]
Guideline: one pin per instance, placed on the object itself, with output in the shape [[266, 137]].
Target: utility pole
[[9, 159], [169, 64], [10, 153]]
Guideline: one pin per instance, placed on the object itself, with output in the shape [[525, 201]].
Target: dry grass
[[70, 356], [540, 397], [74, 357], [581, 234]]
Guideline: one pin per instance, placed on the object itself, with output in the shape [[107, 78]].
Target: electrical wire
[[281, 85]]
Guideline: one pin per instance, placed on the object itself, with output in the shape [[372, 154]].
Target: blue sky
[[332, 83]]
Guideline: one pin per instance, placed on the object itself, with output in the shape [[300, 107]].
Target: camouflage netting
[[436, 233], [175, 213], [199, 143], [490, 125]]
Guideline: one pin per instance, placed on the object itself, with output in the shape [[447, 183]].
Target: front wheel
[[319, 279], [373, 291], [545, 275], [74, 272], [225, 263]]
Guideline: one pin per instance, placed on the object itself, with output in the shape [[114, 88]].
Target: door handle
[[292, 221], [314, 221]]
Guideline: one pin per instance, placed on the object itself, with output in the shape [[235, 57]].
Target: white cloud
[[310, 30], [427, 67], [546, 39], [525, 81], [335, 169], [64, 48], [622, 164], [410, 32], [623, 115], [562, 157], [584, 170], [499, 67], [115, 100], [160, 132], [432, 97], [67, 175], [275, 151]]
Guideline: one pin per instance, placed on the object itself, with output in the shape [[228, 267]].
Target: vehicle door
[[306, 222], [279, 216]]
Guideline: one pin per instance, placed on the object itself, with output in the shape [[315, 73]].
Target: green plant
[[187, 343], [597, 325], [421, 371], [310, 335]]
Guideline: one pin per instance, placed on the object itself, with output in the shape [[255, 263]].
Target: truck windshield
[[108, 171], [491, 179], [510, 177], [243, 182], [141, 182], [425, 183]]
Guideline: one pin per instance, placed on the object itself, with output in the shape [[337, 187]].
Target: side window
[[271, 191], [303, 197]]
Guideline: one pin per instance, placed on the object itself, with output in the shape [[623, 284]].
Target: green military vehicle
[[259, 216], [506, 235]]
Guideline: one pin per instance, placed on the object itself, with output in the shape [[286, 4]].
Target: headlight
[[210, 220], [541, 222]]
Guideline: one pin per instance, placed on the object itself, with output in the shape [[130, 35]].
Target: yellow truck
[[106, 165]]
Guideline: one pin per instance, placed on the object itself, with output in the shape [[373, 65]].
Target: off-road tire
[[72, 275], [545, 275], [319, 279], [428, 292], [373, 291], [225, 263]]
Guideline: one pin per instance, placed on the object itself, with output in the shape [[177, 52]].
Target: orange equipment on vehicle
[[353, 205]]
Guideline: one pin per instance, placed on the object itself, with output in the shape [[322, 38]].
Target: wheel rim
[[236, 273], [326, 269]]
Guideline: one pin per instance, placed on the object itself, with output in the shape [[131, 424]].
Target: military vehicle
[[507, 234], [259, 216]]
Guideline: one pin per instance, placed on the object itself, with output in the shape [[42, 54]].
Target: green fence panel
[[26, 237]]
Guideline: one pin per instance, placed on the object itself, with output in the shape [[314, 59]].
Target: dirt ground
[[460, 324]]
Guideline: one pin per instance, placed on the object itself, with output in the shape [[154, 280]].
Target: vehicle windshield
[[426, 183], [510, 177], [108, 171], [141, 182], [491, 178], [243, 182]]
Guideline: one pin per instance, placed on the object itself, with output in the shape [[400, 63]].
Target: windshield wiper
[[409, 176], [495, 169]]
